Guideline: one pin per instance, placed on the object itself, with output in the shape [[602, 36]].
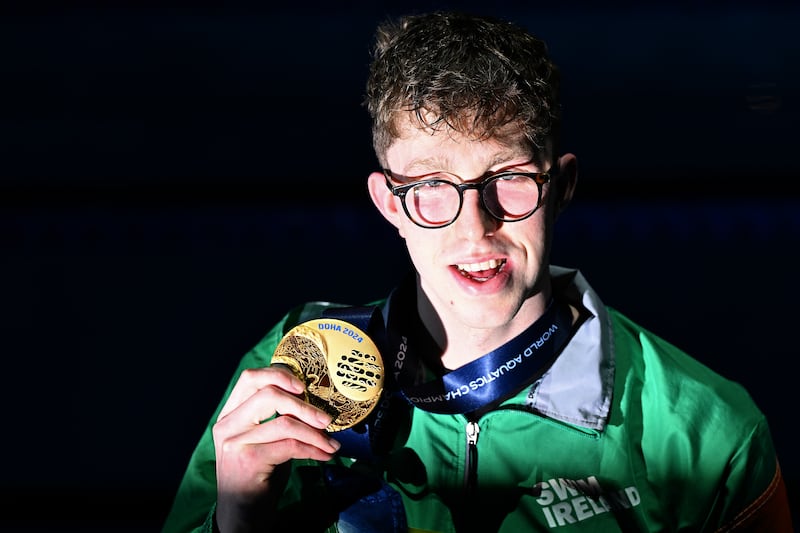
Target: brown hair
[[473, 74]]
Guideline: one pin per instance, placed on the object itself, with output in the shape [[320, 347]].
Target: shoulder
[[694, 423], [675, 380]]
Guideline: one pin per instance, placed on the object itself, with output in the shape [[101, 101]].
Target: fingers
[[258, 396], [267, 402], [254, 379], [278, 441]]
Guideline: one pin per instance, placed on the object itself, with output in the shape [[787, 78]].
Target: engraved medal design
[[340, 365]]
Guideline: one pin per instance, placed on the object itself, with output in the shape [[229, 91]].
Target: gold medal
[[340, 365]]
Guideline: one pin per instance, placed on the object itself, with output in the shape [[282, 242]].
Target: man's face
[[478, 271]]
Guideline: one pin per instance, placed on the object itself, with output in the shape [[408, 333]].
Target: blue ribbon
[[492, 376]]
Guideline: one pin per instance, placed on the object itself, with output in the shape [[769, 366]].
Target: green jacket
[[624, 432]]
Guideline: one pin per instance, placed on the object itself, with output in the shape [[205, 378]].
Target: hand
[[252, 456]]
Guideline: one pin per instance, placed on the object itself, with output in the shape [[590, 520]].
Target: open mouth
[[483, 271]]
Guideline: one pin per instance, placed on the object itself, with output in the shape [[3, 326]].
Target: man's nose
[[474, 222]]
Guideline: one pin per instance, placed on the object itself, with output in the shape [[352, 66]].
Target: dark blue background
[[153, 225]]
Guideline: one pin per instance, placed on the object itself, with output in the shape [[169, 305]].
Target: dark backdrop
[[152, 225]]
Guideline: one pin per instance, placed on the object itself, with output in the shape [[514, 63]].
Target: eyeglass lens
[[507, 198]]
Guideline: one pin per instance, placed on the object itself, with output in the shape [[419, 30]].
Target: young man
[[509, 397]]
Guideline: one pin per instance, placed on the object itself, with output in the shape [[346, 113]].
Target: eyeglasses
[[436, 202]]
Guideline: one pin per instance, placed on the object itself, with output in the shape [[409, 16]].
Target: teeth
[[477, 267]]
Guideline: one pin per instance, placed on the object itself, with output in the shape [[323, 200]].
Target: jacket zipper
[[471, 457], [472, 429]]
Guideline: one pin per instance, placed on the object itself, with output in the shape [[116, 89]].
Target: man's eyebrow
[[427, 164], [509, 155]]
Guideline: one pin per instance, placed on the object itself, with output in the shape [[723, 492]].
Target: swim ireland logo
[[568, 501]]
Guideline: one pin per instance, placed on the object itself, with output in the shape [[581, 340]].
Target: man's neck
[[461, 343]]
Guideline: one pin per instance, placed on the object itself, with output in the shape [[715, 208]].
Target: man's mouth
[[482, 271]]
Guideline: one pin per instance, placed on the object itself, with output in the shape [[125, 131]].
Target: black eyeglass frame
[[540, 178]]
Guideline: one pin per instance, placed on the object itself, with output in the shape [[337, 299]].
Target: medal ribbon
[[359, 441], [490, 377]]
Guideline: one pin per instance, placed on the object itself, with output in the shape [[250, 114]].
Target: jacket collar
[[577, 388]]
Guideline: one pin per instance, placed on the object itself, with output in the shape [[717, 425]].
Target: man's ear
[[383, 198], [567, 180]]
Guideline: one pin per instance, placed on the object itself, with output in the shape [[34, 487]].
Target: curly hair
[[475, 75]]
